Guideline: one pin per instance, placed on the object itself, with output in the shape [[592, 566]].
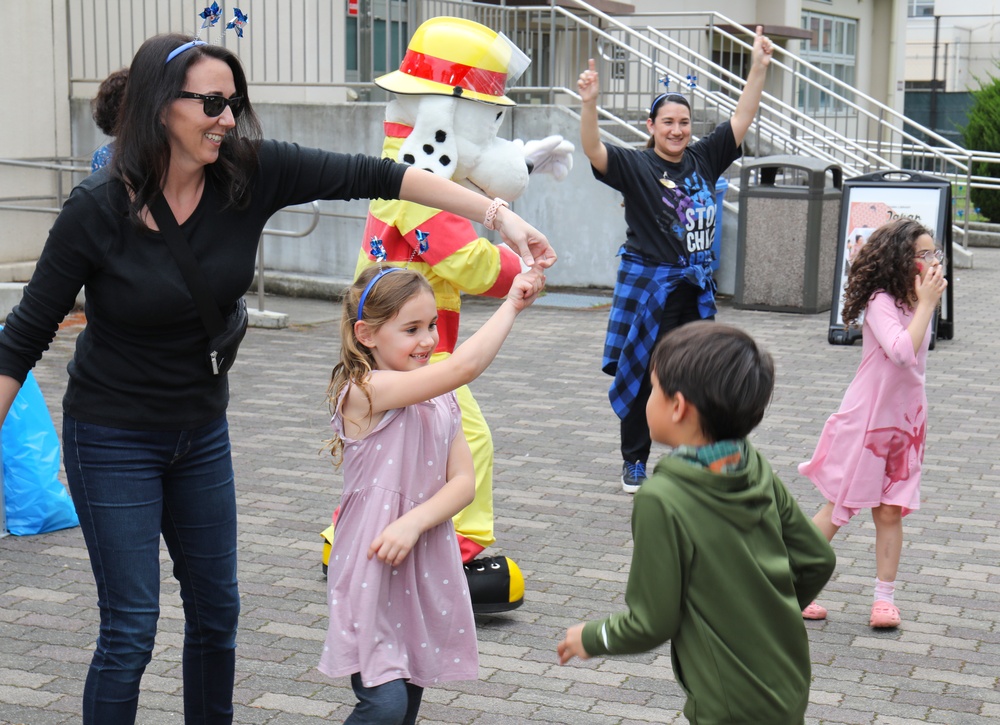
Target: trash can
[[788, 231]]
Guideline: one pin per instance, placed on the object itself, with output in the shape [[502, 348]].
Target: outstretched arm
[[423, 187], [589, 86], [394, 389], [749, 101]]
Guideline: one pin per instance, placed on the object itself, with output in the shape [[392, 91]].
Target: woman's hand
[[763, 48], [589, 83], [523, 238]]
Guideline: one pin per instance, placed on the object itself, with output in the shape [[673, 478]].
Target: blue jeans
[[128, 488], [394, 703], [681, 308]]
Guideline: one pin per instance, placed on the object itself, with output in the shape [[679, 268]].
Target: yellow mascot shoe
[[327, 545], [495, 584]]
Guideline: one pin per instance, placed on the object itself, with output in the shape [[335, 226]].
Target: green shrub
[[983, 134]]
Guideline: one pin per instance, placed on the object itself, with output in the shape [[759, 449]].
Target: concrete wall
[[34, 83]]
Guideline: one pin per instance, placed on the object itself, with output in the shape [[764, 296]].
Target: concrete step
[[983, 238]]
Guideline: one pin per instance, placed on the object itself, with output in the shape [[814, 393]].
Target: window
[[833, 49], [919, 8]]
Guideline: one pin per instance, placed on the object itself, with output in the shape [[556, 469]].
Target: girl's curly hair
[[383, 302], [885, 262]]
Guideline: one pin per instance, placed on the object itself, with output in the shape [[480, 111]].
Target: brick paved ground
[[563, 518]]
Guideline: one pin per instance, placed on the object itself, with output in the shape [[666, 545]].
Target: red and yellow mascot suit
[[448, 107]]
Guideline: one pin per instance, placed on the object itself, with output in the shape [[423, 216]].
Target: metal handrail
[[282, 233], [786, 125], [60, 165]]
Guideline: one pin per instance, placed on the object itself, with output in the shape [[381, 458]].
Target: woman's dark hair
[[142, 148], [666, 98], [885, 262], [661, 100], [104, 107], [721, 371]]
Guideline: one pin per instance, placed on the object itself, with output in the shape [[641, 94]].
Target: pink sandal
[[884, 615], [814, 611]]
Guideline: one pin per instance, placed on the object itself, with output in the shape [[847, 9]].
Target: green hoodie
[[722, 566]]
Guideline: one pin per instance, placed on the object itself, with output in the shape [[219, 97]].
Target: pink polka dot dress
[[412, 622], [871, 450]]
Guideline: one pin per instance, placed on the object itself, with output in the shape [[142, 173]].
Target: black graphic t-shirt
[[670, 208]]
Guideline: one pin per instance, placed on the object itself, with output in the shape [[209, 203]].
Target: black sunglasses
[[215, 105]]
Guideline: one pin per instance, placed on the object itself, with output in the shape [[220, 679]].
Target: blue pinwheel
[[665, 82], [237, 23], [377, 249], [692, 80], [423, 244], [210, 15]]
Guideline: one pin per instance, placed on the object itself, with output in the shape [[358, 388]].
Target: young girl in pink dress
[[400, 612], [870, 451]]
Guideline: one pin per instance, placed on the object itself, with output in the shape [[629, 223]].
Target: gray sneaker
[[633, 474]]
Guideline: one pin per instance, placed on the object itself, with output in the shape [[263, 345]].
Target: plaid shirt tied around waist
[[634, 322]]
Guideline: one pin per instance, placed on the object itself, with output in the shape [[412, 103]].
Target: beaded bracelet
[[491, 213]]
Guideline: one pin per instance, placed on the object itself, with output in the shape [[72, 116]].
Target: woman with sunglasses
[[664, 277], [145, 436]]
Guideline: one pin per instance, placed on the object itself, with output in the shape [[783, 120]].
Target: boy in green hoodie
[[723, 560]]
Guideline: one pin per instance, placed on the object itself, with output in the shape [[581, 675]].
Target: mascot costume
[[448, 106]]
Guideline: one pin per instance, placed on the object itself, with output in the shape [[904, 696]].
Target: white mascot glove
[[551, 155]]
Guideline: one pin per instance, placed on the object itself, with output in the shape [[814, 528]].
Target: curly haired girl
[[870, 452]]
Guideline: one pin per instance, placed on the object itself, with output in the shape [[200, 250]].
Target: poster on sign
[[876, 199]]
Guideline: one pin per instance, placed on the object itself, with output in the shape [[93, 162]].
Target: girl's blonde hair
[[885, 262], [386, 297]]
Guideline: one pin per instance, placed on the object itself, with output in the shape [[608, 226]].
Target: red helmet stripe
[[453, 74]]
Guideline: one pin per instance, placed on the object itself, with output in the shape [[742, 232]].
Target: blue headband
[[368, 288], [669, 97], [181, 48]]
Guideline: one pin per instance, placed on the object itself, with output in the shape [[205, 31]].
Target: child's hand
[[589, 84], [525, 288], [395, 542], [929, 286], [572, 645]]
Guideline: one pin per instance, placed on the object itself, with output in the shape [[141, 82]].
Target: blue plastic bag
[[35, 499]]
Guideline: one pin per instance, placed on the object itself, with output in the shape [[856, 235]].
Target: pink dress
[[414, 621], [871, 450]]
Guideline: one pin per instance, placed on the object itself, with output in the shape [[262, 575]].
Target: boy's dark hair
[[721, 371]]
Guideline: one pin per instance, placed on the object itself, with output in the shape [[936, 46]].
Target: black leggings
[[681, 307]]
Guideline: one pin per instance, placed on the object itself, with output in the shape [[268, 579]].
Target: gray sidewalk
[[562, 517]]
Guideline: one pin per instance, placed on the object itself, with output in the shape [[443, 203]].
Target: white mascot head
[[451, 89]]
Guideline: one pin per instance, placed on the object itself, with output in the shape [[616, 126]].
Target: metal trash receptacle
[[788, 231]]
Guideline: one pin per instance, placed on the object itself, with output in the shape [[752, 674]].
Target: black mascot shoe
[[495, 584]]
